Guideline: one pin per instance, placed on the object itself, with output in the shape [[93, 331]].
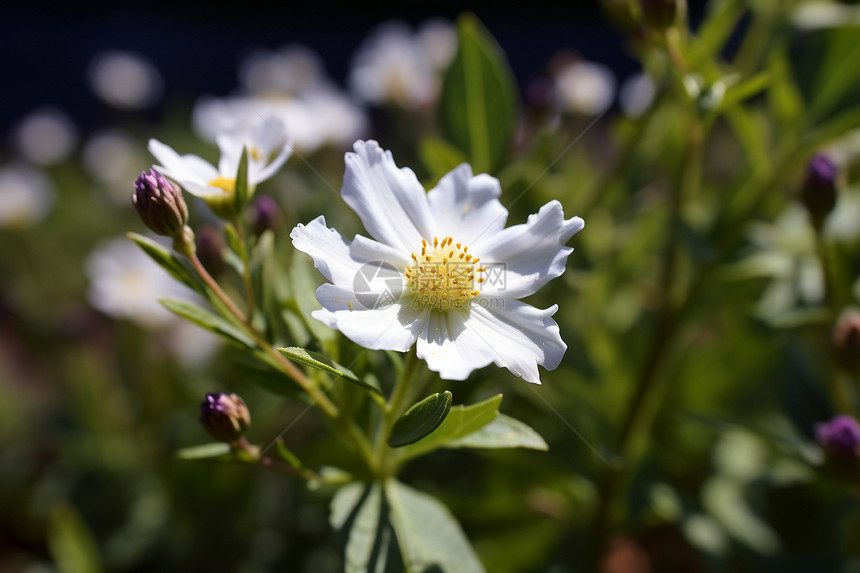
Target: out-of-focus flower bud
[[210, 249], [819, 189], [266, 215], [224, 416], [160, 204], [661, 14], [840, 437], [846, 338]]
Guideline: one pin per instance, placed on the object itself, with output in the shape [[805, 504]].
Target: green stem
[[246, 268], [393, 409]]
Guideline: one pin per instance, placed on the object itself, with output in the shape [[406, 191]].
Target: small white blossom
[[113, 158], [636, 94], [290, 70], [46, 136], [125, 80], [267, 152], [585, 87], [395, 66], [442, 272], [26, 195]]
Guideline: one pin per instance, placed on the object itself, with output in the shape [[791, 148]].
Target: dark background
[[45, 47]]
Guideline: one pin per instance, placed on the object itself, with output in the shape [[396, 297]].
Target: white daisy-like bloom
[[288, 70], [391, 66], [438, 40], [441, 271], [46, 136], [125, 80], [26, 195], [586, 87], [267, 152], [126, 284]]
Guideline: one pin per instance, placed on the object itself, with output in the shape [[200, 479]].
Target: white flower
[[391, 66], [637, 94], [46, 136], [201, 178], [125, 80], [442, 270], [113, 158], [126, 284], [26, 195], [289, 70], [586, 87]]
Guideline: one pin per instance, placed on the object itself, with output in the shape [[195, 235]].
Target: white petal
[[450, 348], [520, 336], [364, 260], [522, 258], [284, 153], [181, 167], [466, 207], [385, 327], [390, 201]]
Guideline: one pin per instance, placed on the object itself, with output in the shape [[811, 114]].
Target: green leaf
[[461, 421], [71, 543], [746, 88], [167, 260], [478, 105], [206, 451], [242, 182], [207, 320], [430, 537], [503, 432], [421, 419], [439, 157], [324, 363], [359, 514]]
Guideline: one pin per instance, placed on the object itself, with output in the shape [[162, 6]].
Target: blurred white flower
[[585, 87], [125, 80], [192, 345], [26, 195], [267, 152], [126, 284], [438, 40], [393, 65], [114, 159], [213, 116], [46, 136], [636, 95], [289, 70]]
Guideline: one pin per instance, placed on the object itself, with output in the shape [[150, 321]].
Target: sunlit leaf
[[461, 421], [321, 362], [503, 432], [209, 321], [421, 419]]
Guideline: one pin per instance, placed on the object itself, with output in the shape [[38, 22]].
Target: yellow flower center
[[228, 184], [442, 276]]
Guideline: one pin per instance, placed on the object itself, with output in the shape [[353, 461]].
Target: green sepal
[[421, 419]]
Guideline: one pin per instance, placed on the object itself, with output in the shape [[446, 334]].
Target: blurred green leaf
[[71, 542], [720, 21], [421, 419], [359, 514], [242, 182], [784, 96], [205, 451], [746, 88], [324, 363], [503, 432], [461, 421], [439, 157], [211, 322], [430, 538], [478, 106]]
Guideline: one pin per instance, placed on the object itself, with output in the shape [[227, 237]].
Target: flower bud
[[840, 437], [224, 416], [266, 215], [661, 14], [819, 189], [210, 249], [846, 338], [160, 204]]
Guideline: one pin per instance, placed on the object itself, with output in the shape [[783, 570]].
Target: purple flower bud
[[160, 204], [210, 249], [846, 338], [819, 189], [266, 215], [840, 437], [224, 416]]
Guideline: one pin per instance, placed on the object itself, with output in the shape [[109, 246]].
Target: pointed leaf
[[439, 157], [461, 421], [71, 543], [242, 182], [429, 536], [421, 419], [359, 514], [478, 105], [324, 363], [206, 451], [503, 432], [167, 260], [207, 320]]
